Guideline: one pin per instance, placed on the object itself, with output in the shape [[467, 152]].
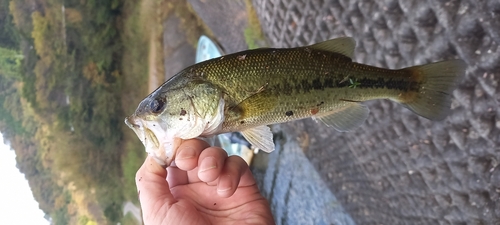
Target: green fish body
[[249, 90]]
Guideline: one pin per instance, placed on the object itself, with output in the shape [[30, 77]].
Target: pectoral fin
[[257, 104], [260, 137], [346, 119]]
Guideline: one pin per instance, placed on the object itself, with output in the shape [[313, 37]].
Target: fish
[[249, 90]]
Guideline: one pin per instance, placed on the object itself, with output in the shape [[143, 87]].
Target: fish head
[[152, 127], [164, 118]]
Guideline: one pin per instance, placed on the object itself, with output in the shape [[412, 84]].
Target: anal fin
[[345, 119], [260, 137]]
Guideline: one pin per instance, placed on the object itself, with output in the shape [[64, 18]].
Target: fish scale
[[320, 76]]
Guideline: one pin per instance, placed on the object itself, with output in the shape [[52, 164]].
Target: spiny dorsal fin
[[342, 45], [347, 118]]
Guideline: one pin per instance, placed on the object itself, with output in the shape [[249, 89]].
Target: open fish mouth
[[147, 136], [130, 121], [137, 128], [150, 138]]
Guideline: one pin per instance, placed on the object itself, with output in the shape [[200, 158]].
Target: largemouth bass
[[249, 90]]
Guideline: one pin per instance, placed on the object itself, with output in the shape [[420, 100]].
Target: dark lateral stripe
[[307, 85], [393, 84]]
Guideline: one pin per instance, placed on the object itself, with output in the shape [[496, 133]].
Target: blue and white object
[[206, 49]]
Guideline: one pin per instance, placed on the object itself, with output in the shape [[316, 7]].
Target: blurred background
[[72, 70]]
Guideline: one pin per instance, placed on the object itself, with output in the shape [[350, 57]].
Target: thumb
[[153, 190]]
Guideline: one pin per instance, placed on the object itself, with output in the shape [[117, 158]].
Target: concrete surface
[[399, 168], [226, 19], [179, 54], [295, 190]]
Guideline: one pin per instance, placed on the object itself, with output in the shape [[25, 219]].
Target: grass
[[135, 88], [132, 159], [254, 36], [129, 220]]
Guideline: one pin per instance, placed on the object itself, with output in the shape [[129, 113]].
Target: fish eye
[[157, 105]]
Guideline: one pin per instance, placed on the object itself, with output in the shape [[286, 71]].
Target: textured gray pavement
[[178, 53], [226, 19], [293, 187], [399, 168]]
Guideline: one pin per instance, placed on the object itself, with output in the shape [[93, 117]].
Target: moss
[[131, 161], [254, 36]]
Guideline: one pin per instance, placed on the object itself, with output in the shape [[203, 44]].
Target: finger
[[234, 168], [153, 189], [247, 179], [210, 164], [188, 153], [176, 176]]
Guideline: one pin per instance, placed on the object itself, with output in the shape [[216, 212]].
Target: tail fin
[[439, 79]]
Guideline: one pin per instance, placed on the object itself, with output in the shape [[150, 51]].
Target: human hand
[[205, 186]]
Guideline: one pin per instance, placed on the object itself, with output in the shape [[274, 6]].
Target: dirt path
[[129, 207], [154, 78]]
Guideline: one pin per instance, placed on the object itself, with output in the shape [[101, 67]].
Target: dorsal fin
[[342, 45]]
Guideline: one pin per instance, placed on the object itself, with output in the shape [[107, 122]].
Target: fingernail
[[186, 153], [224, 184], [208, 164]]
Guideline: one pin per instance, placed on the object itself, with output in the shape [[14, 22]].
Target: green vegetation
[[70, 71], [62, 109], [131, 161], [61, 85], [253, 33]]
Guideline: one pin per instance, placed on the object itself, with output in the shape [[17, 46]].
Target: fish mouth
[[148, 137], [130, 121], [136, 126]]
